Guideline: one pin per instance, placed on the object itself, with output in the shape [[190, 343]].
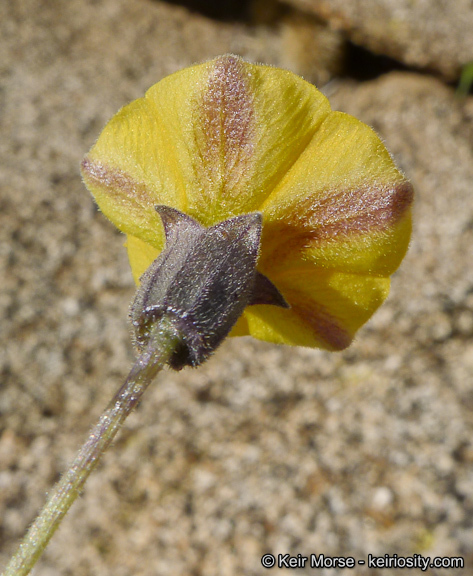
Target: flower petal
[[212, 141], [335, 229], [251, 123], [141, 255], [327, 308], [343, 205]]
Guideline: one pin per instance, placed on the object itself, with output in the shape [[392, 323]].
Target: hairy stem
[[162, 344]]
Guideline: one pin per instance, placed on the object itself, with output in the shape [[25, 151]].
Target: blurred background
[[264, 448]]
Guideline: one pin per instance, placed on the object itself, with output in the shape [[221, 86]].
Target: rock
[[310, 48], [433, 35]]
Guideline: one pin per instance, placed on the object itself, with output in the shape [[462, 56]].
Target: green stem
[[162, 343]]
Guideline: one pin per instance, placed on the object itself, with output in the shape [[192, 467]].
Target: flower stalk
[[187, 303], [162, 343]]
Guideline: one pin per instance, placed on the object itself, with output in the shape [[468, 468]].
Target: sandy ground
[[264, 448]]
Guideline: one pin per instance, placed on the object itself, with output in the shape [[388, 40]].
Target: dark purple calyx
[[202, 281]]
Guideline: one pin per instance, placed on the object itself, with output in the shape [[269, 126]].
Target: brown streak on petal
[[225, 134], [358, 211], [118, 185], [322, 323], [280, 240], [343, 215]]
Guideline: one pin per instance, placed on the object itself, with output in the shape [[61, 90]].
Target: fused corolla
[[227, 139]]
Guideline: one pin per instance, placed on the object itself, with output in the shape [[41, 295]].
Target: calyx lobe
[[202, 281]]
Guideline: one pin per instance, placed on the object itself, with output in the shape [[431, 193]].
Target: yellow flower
[[226, 138]]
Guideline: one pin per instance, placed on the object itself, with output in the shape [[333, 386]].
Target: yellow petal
[[130, 170], [343, 205], [250, 124], [212, 140], [327, 308], [140, 255]]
